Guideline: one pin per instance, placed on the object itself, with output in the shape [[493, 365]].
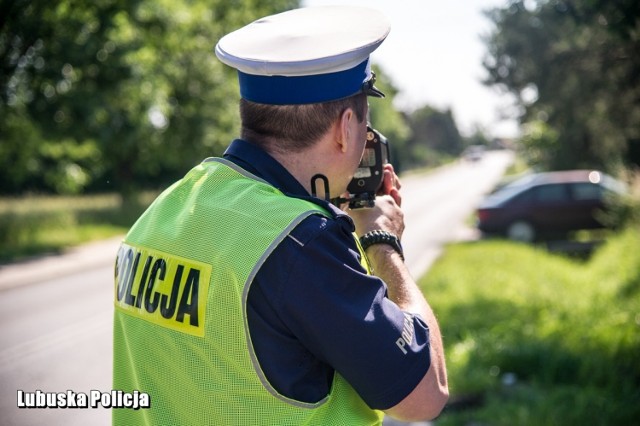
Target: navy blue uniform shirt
[[313, 310]]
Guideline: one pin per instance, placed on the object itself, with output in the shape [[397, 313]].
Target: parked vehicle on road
[[548, 205]]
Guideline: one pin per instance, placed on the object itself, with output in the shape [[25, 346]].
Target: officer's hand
[[386, 214], [391, 184]]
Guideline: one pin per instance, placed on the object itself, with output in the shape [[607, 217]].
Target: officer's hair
[[293, 128]]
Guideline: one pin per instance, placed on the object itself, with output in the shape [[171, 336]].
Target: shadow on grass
[[578, 249]]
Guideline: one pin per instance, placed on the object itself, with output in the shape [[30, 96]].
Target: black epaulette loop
[[382, 237]]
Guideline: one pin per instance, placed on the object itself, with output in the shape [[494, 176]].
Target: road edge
[[72, 260]]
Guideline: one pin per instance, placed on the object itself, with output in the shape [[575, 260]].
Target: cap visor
[[374, 91]]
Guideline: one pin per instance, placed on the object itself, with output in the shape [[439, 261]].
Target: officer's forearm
[[403, 290], [388, 265]]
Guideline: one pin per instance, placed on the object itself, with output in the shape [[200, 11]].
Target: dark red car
[[549, 204]]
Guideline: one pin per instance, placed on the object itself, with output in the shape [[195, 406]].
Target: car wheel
[[521, 231]]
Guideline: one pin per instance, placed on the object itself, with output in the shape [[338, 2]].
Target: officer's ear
[[345, 127]]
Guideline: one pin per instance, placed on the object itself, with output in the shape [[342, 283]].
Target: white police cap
[[308, 55]]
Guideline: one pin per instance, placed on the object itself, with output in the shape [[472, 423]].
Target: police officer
[[242, 296]]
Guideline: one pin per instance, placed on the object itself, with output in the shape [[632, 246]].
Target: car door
[[586, 202], [551, 210]]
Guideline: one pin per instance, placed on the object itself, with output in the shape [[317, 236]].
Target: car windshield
[[509, 191]]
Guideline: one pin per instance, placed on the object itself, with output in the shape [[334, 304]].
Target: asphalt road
[[437, 205], [56, 312]]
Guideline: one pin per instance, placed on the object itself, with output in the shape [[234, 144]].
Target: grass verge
[[534, 338], [40, 224]]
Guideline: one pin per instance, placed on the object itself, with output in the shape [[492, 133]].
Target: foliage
[[623, 209], [573, 65], [112, 95], [539, 143], [134, 84], [478, 137], [389, 121], [433, 133], [533, 338]]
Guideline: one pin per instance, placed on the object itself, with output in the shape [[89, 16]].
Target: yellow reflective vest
[[182, 278]]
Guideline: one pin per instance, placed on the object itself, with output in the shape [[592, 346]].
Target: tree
[[574, 65], [433, 131], [111, 92]]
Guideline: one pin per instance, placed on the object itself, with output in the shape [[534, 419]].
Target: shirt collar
[[255, 160]]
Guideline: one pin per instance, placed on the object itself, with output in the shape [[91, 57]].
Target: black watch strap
[[381, 237]]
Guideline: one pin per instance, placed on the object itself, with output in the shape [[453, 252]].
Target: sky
[[433, 56]]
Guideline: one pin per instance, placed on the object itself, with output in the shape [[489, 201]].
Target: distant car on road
[[548, 204], [473, 153]]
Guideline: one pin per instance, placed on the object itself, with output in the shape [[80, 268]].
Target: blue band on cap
[[308, 89]]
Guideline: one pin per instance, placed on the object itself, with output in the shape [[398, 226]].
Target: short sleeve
[[318, 297]]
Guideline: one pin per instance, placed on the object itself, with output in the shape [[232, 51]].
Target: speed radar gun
[[367, 180]]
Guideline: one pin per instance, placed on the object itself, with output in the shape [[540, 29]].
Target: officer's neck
[[321, 158]]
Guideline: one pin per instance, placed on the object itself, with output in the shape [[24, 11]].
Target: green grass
[[539, 339], [47, 224]]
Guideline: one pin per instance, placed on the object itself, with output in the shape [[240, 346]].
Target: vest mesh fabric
[[219, 216]]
